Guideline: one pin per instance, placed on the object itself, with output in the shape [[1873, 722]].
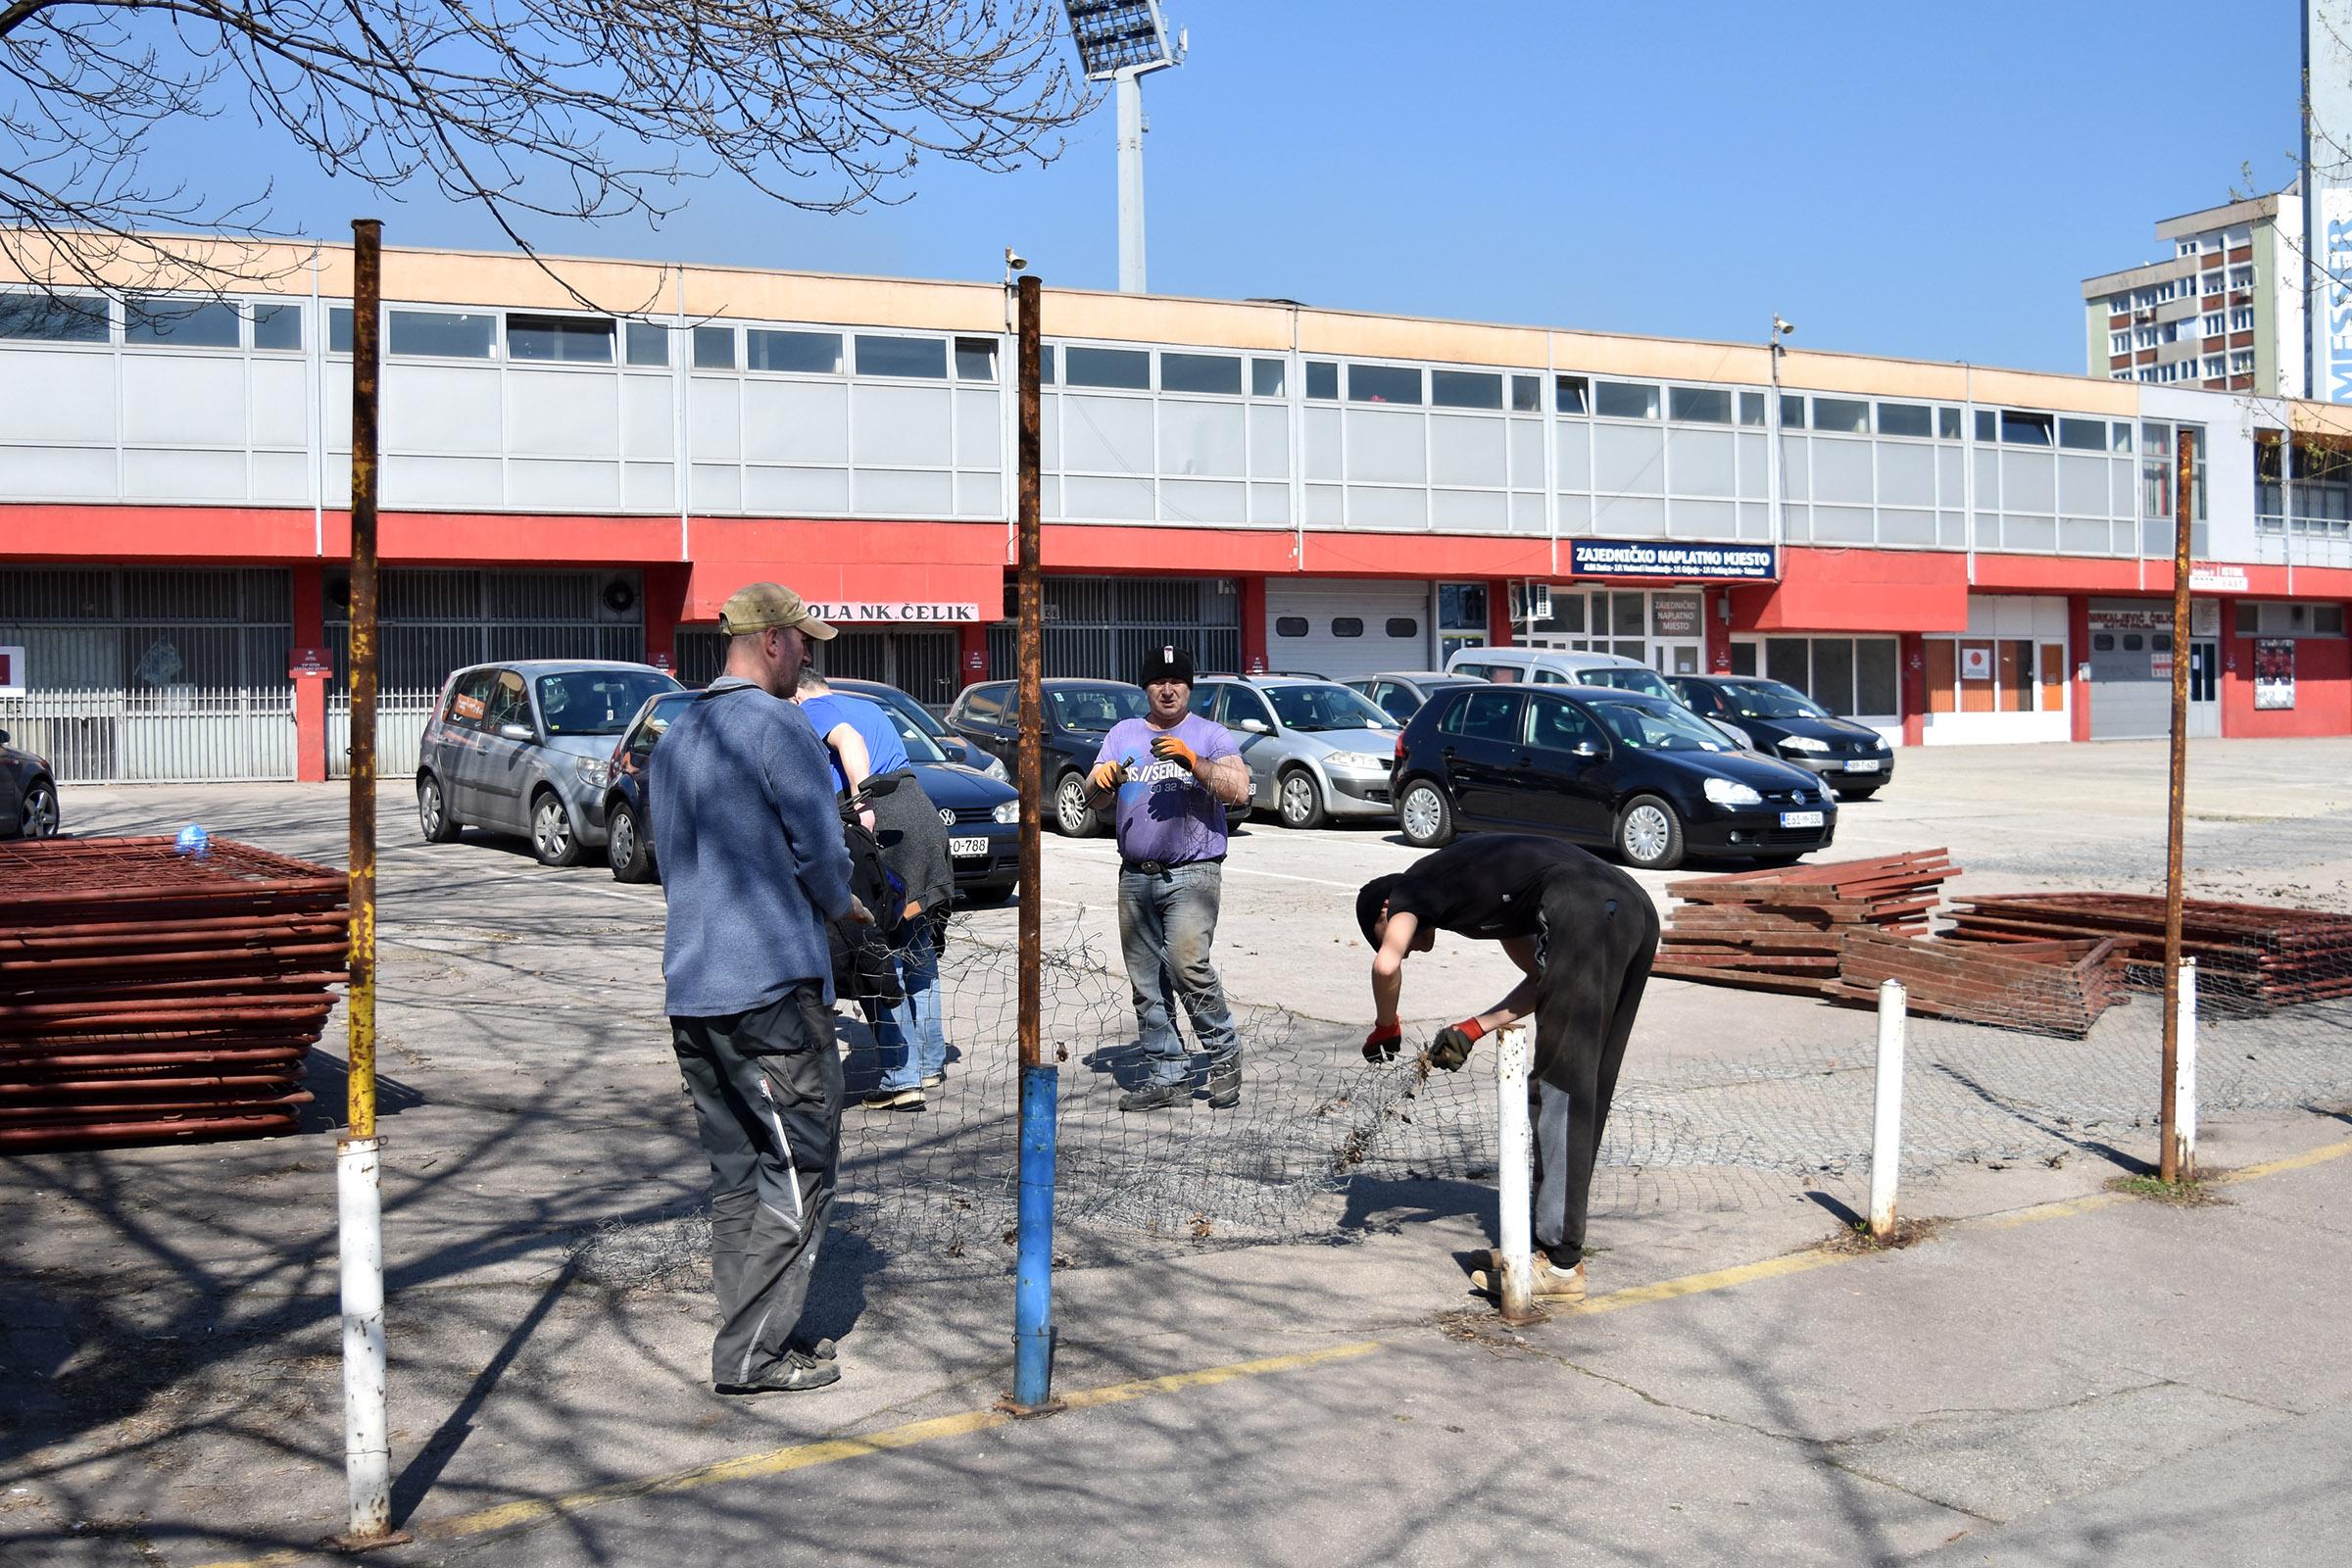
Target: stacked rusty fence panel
[[147, 996], [2250, 956], [2051, 988], [1784, 929]]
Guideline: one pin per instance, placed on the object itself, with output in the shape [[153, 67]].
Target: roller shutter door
[[1347, 627], [2131, 684]]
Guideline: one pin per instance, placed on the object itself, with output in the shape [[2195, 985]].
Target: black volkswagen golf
[[1637, 774]]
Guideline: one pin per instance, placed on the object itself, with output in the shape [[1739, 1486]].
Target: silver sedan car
[[525, 748], [1316, 751]]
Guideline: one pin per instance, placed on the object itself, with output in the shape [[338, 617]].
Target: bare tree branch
[[536, 110]]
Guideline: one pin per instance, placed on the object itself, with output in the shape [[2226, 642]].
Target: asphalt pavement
[[2056, 1372]]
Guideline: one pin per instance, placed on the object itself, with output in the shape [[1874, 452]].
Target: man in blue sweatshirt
[[752, 867]]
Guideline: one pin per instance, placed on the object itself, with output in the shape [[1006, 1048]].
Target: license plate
[[1800, 819], [965, 849], [1860, 767]]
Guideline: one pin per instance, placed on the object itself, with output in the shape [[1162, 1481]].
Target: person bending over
[[1582, 934]]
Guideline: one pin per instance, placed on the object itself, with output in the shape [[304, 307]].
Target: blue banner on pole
[[1657, 558]]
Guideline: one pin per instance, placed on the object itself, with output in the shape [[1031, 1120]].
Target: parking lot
[[171, 1337]]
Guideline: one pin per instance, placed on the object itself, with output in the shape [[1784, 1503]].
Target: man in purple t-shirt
[[1173, 774]]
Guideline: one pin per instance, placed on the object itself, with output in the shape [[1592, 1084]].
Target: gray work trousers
[[766, 1089]]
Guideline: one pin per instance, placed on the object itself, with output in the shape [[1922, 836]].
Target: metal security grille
[[432, 622], [921, 664], [151, 675], [1104, 626]]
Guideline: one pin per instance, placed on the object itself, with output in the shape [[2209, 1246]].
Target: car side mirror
[[3, 737], [1256, 726], [516, 733]]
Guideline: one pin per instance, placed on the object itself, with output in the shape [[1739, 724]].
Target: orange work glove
[[1108, 775], [1170, 749]]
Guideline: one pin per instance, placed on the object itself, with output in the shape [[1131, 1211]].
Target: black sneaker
[[1225, 1084], [1150, 1097], [799, 1372]]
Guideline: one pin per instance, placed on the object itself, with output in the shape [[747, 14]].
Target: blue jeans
[[914, 1019], [1166, 924]]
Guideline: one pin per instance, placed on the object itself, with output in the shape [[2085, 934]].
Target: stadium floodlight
[[1116, 35], [1119, 41]]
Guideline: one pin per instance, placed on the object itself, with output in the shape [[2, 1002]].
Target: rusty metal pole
[[1033, 1270], [367, 1448], [2168, 1159]]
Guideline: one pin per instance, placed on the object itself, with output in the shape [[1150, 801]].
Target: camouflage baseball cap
[[769, 604]]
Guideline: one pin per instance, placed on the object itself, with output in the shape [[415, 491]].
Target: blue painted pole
[[1033, 1276]]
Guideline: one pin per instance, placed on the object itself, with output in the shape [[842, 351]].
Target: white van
[[1559, 666]]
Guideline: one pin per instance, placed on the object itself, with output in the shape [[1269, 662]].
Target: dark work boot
[[1225, 1082], [1150, 1097]]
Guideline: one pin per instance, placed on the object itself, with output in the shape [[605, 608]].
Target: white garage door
[[1345, 628]]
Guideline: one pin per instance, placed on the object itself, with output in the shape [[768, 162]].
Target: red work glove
[[1452, 1045], [1382, 1044], [1170, 749]]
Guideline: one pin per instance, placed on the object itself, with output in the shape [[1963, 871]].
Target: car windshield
[[1770, 699], [1326, 708], [1658, 729], [597, 702], [903, 708], [1628, 679], [919, 747], [1093, 710]]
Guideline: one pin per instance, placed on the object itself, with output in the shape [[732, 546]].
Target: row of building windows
[[2187, 288]]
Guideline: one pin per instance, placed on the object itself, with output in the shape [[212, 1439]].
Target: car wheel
[[1300, 799], [1650, 836], [40, 810], [625, 849], [1426, 815], [552, 838], [433, 813], [1074, 817]]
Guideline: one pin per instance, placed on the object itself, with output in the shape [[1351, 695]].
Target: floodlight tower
[[1121, 41]]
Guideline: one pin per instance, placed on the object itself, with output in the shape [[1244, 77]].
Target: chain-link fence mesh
[[1322, 1142]]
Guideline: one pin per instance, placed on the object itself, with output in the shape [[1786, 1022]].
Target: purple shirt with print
[[1165, 814]]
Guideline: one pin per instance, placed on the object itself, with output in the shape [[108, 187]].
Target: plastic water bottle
[[194, 842]]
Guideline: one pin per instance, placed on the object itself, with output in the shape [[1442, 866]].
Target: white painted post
[[1514, 1258], [367, 1451], [1886, 1138], [2184, 1076]]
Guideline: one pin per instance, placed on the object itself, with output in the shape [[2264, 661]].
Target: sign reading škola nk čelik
[[1648, 558], [897, 612]]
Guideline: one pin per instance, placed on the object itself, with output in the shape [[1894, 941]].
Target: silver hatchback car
[[523, 746], [1316, 749]]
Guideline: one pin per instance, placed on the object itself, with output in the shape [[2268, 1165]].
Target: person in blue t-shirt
[[909, 1031], [1173, 774]]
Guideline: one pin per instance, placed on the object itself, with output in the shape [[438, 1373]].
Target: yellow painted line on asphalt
[[1721, 1279], [527, 1511], [2272, 1167]]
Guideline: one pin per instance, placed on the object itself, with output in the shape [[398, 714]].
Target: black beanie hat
[[1166, 662]]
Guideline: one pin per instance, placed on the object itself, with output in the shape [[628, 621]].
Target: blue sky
[[1930, 181]]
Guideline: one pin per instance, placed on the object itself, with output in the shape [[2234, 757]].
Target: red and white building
[[1954, 554]]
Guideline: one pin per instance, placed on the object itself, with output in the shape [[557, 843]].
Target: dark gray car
[[1400, 693], [523, 748], [28, 794]]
